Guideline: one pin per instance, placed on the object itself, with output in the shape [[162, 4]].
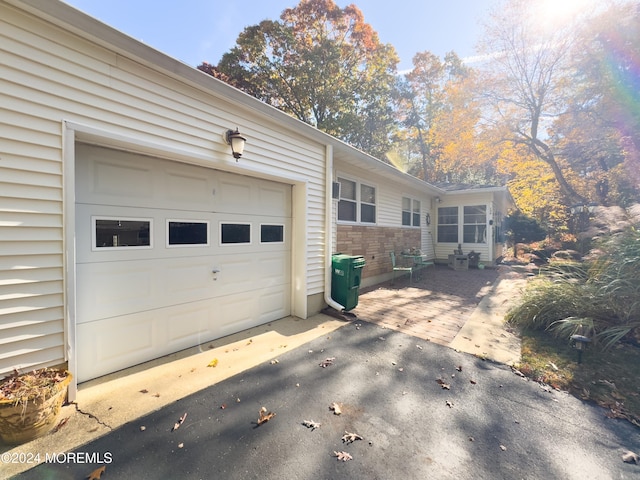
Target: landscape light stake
[[579, 342]]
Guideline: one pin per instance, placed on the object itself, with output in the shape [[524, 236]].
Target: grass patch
[[607, 377]]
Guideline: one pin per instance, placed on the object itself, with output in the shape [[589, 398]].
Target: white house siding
[[49, 76]]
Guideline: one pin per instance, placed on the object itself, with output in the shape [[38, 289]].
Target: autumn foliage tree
[[527, 82], [322, 64]]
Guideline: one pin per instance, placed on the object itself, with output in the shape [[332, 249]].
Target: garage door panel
[[189, 192], [271, 305], [190, 325], [102, 349], [107, 292], [136, 304], [187, 279]]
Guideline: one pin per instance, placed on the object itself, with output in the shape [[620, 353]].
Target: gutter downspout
[[328, 228]]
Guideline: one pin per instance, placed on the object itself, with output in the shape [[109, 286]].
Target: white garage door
[[170, 255]]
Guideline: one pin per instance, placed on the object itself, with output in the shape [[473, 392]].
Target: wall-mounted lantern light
[[438, 200], [236, 140]]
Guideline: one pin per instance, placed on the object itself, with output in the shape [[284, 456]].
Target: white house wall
[[50, 78]]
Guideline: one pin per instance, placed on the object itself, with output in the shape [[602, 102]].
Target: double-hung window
[[448, 225], [357, 202], [475, 224], [410, 212]]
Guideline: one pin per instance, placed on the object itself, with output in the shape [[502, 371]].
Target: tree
[[438, 115], [325, 66], [523, 229], [600, 136], [528, 81]]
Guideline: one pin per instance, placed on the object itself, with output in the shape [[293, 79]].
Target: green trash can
[[345, 279]]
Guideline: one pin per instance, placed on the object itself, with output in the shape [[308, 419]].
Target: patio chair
[[400, 269], [422, 263]]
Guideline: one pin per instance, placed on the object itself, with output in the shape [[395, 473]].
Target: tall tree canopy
[[528, 80], [323, 65]]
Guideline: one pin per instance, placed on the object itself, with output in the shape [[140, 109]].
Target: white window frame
[[358, 200], [475, 224], [222, 222], [412, 212], [273, 224], [120, 248], [188, 245]]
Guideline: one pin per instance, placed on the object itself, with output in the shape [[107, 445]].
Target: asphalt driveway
[[392, 391]]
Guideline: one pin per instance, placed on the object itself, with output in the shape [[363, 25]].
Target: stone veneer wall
[[375, 244]]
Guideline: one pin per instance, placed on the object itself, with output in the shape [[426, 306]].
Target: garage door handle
[[215, 270]]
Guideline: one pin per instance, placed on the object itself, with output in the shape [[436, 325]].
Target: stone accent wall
[[375, 244]]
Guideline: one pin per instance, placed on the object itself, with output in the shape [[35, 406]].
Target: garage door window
[[271, 233], [182, 233], [112, 232], [234, 233]]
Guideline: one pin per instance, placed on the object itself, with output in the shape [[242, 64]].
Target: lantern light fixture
[[236, 141]]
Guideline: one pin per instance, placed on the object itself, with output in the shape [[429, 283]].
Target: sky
[[196, 31]]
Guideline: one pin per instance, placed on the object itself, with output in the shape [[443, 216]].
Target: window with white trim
[[410, 212], [475, 224], [234, 233], [121, 232], [182, 233], [357, 202], [447, 224]]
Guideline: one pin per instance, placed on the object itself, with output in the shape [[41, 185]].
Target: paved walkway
[[463, 309]]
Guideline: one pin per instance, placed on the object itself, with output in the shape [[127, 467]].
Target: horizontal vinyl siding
[[31, 219], [48, 76]]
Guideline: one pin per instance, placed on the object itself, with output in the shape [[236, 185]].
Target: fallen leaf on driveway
[[336, 408], [445, 386], [459, 368], [449, 404], [265, 416], [144, 390], [327, 362], [350, 437], [503, 448], [95, 475], [311, 424], [179, 422], [473, 382], [344, 456], [630, 457]]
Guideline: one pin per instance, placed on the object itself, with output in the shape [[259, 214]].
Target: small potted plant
[[30, 403]]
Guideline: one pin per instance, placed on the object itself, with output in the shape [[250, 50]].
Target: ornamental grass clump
[[599, 298]]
